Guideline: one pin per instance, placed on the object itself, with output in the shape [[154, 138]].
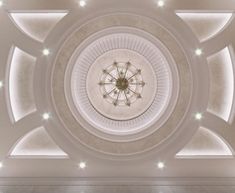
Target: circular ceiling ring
[[117, 146], [152, 108]]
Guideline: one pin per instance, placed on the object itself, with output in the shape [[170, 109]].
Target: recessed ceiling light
[[46, 116], [82, 165], [1, 164], [198, 52], [198, 116], [1, 3], [160, 3], [82, 3], [160, 165], [46, 52], [1, 84]]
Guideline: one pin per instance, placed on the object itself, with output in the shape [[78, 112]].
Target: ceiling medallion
[[121, 130], [121, 83]]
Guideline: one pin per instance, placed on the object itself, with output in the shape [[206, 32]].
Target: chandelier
[[121, 83]]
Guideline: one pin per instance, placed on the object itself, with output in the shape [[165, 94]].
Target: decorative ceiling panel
[[37, 144], [21, 87], [205, 144], [206, 25], [221, 84], [121, 87], [37, 24]]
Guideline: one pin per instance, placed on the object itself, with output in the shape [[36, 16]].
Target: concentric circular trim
[[150, 111], [133, 147]]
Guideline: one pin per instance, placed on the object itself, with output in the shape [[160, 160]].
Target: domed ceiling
[[122, 89]]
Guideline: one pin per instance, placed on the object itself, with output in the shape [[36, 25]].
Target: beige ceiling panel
[[206, 25], [205, 144], [37, 144], [37, 25], [221, 84], [21, 75]]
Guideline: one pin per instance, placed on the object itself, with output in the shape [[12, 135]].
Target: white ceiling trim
[[221, 84], [205, 144], [142, 181], [37, 24], [37, 144], [21, 76], [206, 25]]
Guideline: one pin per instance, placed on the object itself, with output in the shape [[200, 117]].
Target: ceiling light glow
[[82, 165], [46, 52], [46, 116], [1, 84], [1, 164], [37, 24], [1, 3], [213, 22], [212, 145], [198, 116], [160, 165], [223, 97], [31, 146], [160, 3], [198, 52], [82, 3]]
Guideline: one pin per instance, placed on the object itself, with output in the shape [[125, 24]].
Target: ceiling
[[55, 118]]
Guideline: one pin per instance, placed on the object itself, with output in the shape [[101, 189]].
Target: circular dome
[[118, 84], [89, 72], [97, 90]]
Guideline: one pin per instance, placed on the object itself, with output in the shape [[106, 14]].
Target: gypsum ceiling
[[56, 58]]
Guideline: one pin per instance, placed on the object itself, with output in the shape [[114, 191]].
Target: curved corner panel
[[205, 25], [21, 75], [37, 144], [221, 84], [37, 25], [204, 144]]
